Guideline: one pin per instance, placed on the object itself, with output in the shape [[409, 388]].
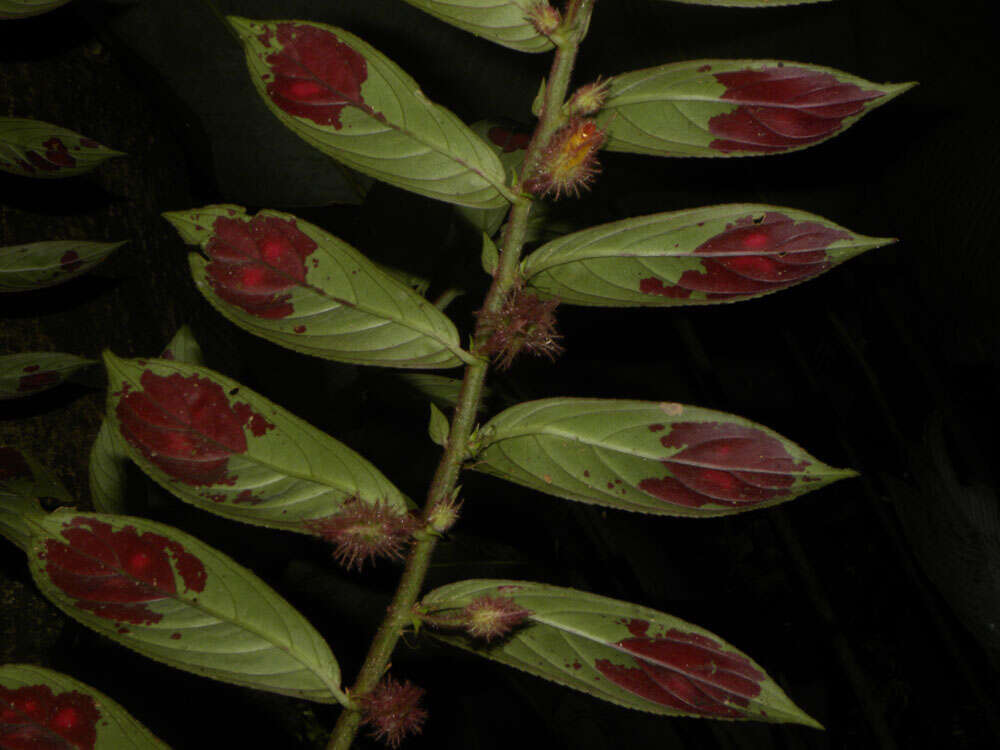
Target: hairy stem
[[398, 614]]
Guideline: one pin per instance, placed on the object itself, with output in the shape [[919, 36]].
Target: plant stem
[[398, 614]]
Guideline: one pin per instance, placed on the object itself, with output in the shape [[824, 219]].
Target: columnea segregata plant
[[219, 446]]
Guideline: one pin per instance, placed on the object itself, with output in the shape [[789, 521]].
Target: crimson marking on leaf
[[57, 153], [508, 140], [34, 717], [685, 671], [113, 574], [723, 464], [12, 464], [315, 74], [783, 107], [70, 261], [187, 427], [254, 265], [754, 255], [37, 381]]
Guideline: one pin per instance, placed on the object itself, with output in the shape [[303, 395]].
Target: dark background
[[874, 602]]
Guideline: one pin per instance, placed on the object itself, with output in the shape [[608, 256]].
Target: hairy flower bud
[[363, 531], [588, 99], [569, 161], [490, 617], [524, 323], [392, 710], [544, 18]]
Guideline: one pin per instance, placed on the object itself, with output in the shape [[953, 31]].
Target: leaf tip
[[242, 26]]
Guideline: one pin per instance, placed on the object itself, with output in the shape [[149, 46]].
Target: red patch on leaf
[[723, 464], [187, 427], [12, 464], [508, 140], [114, 574], [57, 153], [315, 74], [783, 107], [70, 261], [34, 718], [37, 381], [754, 256], [685, 671], [256, 264]]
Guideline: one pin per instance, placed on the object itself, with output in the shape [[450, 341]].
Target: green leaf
[[500, 21], [351, 102], [37, 149], [489, 255], [661, 458], [218, 445], [42, 264], [511, 146], [439, 427], [622, 653], [174, 599], [184, 347], [29, 373], [37, 706], [290, 282], [695, 257], [23, 482], [106, 471], [10, 9], [734, 107], [749, 3], [439, 390]]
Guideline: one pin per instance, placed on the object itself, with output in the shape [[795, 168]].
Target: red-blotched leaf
[[348, 100], [172, 598], [291, 283], [33, 372], [109, 458], [38, 149], [42, 710], [734, 107], [620, 652], [42, 264], [696, 257], [660, 458], [216, 444]]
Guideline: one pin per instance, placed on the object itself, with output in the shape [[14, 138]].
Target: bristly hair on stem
[[523, 323], [364, 531], [393, 710]]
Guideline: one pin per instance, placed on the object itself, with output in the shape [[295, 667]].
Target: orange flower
[[570, 159]]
